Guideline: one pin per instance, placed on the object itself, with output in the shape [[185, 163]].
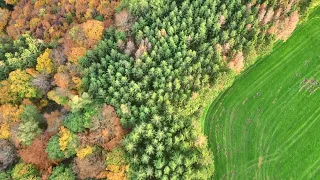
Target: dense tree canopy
[[29, 126], [173, 49], [19, 54], [89, 81], [61, 173]]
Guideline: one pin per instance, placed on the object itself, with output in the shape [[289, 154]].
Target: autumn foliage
[[9, 116], [62, 145], [35, 153], [41, 87], [82, 37], [54, 121], [74, 73], [44, 63], [25, 171], [116, 165], [50, 20], [17, 87], [90, 166], [13, 2], [4, 17], [106, 130]]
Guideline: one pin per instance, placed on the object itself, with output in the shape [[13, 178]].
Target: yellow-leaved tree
[[44, 63], [65, 138], [9, 114], [17, 87], [83, 152]]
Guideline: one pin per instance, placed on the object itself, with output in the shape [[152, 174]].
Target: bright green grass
[[275, 135]]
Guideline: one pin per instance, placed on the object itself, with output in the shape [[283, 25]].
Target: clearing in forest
[[267, 125]]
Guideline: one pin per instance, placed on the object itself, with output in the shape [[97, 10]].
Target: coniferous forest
[[110, 89]]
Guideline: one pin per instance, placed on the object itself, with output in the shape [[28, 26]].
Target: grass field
[[267, 125]]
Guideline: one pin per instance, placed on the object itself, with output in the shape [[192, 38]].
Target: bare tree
[[8, 154]]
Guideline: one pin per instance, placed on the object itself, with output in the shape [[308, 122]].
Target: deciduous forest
[[115, 89]]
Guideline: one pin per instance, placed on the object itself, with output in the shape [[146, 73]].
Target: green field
[[267, 125]]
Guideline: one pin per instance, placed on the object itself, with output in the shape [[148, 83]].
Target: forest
[[110, 89]]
